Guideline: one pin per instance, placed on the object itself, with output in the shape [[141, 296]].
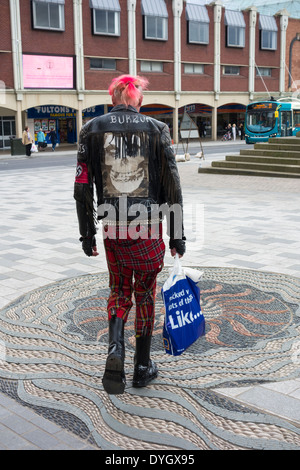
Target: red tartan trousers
[[133, 267]]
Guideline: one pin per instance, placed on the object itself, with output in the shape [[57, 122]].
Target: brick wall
[[156, 51], [52, 42], [198, 53], [37, 41], [266, 58], [104, 46], [238, 56], [293, 28], [6, 64]]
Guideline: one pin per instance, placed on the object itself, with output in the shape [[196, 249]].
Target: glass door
[[286, 123], [7, 130]]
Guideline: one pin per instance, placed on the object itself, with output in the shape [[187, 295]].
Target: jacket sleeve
[[83, 189], [172, 188]]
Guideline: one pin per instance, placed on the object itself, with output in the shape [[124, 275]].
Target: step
[[246, 172], [273, 153], [257, 166], [267, 146], [284, 140], [263, 159]]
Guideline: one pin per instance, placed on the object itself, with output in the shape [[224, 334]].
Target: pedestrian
[[229, 131], [242, 131], [27, 141], [53, 139], [233, 131], [41, 140], [130, 159]]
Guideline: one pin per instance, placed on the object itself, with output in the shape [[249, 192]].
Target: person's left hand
[[89, 246]]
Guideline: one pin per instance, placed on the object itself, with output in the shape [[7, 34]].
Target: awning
[[197, 13], [267, 23], [234, 18], [154, 8], [112, 5]]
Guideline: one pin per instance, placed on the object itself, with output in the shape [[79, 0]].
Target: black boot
[[145, 369], [114, 376]]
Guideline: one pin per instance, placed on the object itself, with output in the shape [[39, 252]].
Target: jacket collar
[[122, 107]]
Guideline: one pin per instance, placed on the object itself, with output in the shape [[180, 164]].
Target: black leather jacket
[[126, 156]]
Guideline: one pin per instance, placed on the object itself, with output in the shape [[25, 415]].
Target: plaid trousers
[[133, 267]]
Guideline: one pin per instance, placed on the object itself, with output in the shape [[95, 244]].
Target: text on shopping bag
[[176, 303]]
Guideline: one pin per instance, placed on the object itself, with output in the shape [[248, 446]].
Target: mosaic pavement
[[54, 345]]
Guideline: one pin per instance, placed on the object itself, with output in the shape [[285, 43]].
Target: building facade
[[58, 57]]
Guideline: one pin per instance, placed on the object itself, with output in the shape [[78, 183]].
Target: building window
[[49, 14], [106, 22], [156, 28], [235, 36], [151, 66], [231, 70], [197, 69], [268, 32], [235, 28], [198, 32], [268, 40], [198, 23], [155, 20], [263, 72], [102, 64]]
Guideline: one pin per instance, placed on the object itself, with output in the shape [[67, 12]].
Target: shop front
[[58, 118], [61, 119]]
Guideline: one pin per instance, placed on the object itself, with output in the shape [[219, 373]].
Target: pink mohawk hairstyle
[[128, 89]]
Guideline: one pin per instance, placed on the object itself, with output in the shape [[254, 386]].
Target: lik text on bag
[[184, 322]]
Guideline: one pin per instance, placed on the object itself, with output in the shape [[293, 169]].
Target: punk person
[[126, 159]]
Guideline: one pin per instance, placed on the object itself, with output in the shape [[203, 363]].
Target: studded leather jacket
[[126, 163]]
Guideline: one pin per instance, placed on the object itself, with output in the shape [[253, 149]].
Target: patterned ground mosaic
[[54, 345]]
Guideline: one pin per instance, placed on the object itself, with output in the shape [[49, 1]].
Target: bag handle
[[177, 268]]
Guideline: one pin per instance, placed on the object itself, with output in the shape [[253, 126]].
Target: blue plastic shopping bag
[[184, 322]]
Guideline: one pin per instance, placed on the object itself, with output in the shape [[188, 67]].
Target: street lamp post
[[296, 38]]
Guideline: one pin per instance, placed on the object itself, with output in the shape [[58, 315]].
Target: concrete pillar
[[16, 45], [16, 40], [217, 45], [175, 122], [131, 7], [79, 114], [284, 19], [79, 52], [177, 6], [252, 35], [78, 43], [19, 124], [214, 124], [217, 64]]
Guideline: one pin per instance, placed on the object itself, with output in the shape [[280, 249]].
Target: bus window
[[260, 120], [296, 124]]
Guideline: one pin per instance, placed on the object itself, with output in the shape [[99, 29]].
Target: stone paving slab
[[244, 222]]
